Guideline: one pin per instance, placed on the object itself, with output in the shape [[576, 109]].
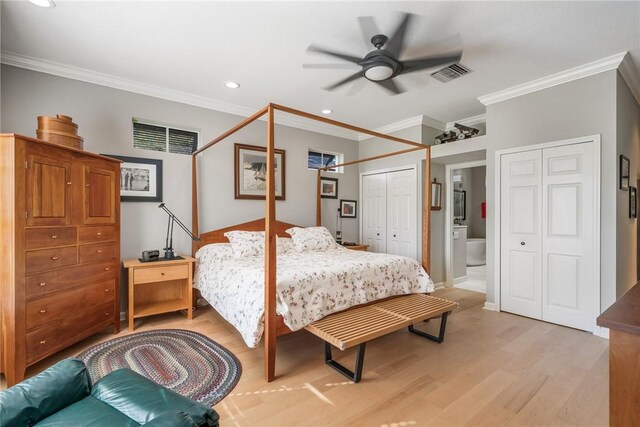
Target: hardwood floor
[[493, 369]]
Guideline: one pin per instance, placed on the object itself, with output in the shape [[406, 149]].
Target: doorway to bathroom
[[465, 216]]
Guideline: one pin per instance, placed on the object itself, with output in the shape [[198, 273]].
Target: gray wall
[[104, 118], [437, 229], [578, 108], [477, 224], [628, 143]]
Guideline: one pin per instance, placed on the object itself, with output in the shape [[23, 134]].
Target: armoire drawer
[[47, 259], [59, 305], [56, 335], [98, 251], [47, 237], [44, 283], [96, 234]]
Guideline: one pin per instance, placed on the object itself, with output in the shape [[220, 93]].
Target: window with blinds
[[319, 159], [169, 139]]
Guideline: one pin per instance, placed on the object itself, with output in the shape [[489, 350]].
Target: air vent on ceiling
[[451, 72]]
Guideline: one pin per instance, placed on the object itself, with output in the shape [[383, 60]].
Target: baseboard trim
[[460, 279], [601, 332], [439, 285], [491, 306], [123, 315]]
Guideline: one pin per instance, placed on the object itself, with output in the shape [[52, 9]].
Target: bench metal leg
[[355, 377], [440, 337]]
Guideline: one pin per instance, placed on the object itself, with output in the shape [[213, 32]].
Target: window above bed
[[317, 159], [148, 135]]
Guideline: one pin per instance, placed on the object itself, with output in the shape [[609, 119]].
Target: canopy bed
[[274, 325]]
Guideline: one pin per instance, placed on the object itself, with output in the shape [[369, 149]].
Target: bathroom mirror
[[436, 195], [459, 204]]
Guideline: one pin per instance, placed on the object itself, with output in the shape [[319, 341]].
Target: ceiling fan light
[[43, 3], [378, 73]]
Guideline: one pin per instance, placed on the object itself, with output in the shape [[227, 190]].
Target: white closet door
[[374, 212], [520, 233], [568, 235], [402, 213]]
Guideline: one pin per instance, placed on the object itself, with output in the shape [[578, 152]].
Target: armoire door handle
[[522, 243]]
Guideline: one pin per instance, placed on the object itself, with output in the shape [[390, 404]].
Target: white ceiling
[[194, 47]]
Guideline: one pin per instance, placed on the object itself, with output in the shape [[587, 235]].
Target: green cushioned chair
[[63, 396]]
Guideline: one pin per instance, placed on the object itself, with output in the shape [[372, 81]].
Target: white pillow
[[246, 243], [214, 252], [312, 239], [284, 245]]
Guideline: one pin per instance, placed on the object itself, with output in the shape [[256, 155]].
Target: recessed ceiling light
[[327, 111], [232, 85], [43, 3]]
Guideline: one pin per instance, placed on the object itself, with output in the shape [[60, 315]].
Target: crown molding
[[469, 121], [586, 70], [629, 73], [405, 124], [115, 82]]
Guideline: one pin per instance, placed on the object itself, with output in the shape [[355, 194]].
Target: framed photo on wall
[[250, 172], [625, 166], [633, 202], [140, 179], [436, 195], [329, 188], [348, 208]]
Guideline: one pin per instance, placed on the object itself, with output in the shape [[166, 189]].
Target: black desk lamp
[[168, 249]]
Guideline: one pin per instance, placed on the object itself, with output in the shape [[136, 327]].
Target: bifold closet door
[[402, 213], [520, 234], [568, 236], [374, 212]]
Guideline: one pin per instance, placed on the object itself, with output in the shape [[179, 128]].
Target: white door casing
[[520, 242], [402, 213], [374, 212], [568, 235]]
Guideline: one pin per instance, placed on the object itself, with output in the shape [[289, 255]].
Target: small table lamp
[[168, 249]]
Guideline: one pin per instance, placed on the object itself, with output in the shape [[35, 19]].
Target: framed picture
[[348, 208], [250, 167], [633, 202], [436, 195], [140, 179], [460, 204], [329, 188], [624, 172]]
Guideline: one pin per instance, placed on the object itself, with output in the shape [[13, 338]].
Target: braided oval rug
[[184, 361]]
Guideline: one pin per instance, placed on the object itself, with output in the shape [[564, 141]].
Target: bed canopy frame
[[272, 227]]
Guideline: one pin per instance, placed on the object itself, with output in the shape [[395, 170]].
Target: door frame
[[413, 167], [448, 215], [596, 141]]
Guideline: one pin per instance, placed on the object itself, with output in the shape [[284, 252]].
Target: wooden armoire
[[59, 249]]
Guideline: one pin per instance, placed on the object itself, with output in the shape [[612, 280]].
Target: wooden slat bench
[[359, 325]]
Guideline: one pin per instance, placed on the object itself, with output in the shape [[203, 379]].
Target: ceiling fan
[[383, 64]]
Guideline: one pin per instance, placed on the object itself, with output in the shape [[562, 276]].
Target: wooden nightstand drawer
[[161, 274], [100, 233], [44, 283], [98, 251], [51, 258], [59, 305], [36, 238]]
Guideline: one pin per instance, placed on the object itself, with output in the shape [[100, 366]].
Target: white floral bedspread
[[310, 285]]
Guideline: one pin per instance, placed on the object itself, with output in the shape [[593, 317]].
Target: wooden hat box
[[59, 130]]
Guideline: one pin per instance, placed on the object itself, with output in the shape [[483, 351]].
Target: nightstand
[[159, 287], [358, 247]]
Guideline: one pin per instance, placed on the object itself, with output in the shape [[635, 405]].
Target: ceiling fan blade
[[357, 87], [346, 80], [369, 29], [439, 61], [391, 86], [396, 42], [346, 57], [342, 66]]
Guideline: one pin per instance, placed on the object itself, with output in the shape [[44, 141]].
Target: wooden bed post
[[426, 214], [270, 255], [194, 205], [318, 200]]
